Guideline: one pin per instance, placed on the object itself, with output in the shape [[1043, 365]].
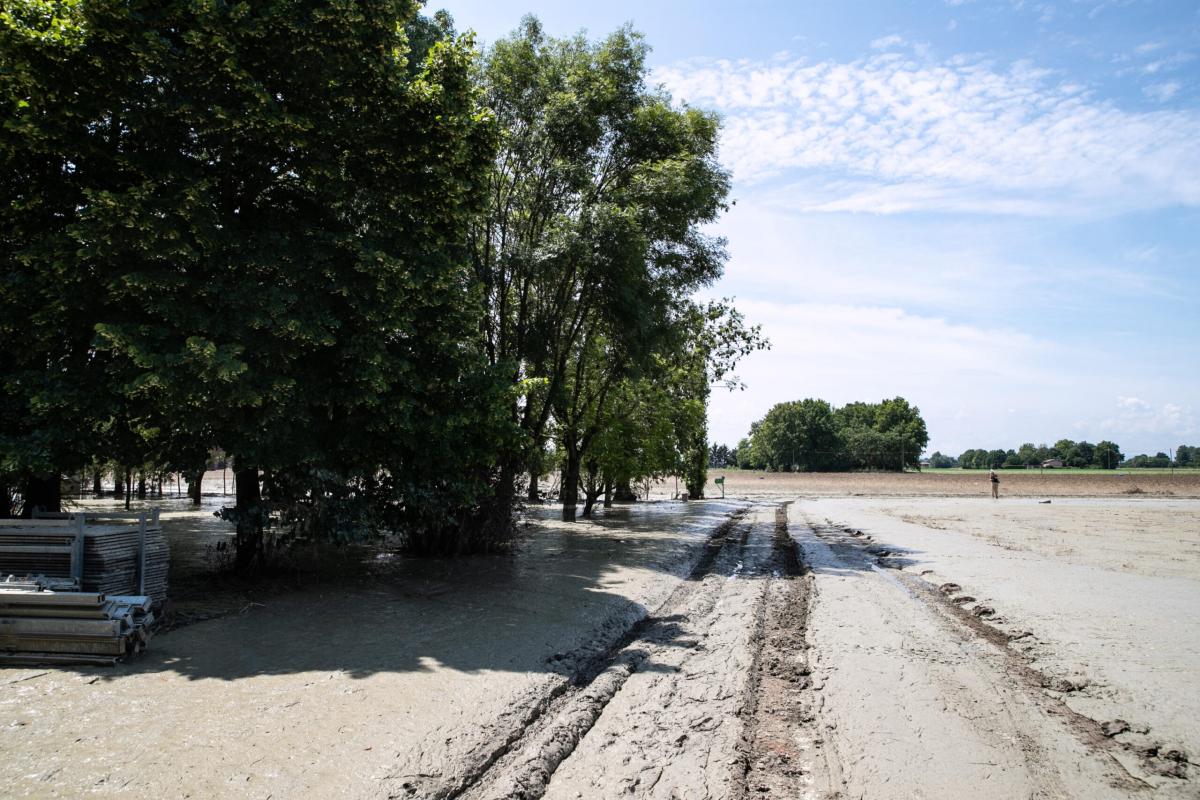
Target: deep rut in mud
[[702, 697], [524, 765], [778, 706]]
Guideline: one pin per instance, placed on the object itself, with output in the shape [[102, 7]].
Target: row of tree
[[1105, 455], [1072, 454], [389, 276], [813, 436]]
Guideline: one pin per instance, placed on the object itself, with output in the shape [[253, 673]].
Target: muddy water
[[400, 684]]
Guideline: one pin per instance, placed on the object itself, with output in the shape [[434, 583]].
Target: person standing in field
[[995, 479]]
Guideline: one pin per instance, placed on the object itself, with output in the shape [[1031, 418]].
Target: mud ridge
[[521, 768], [770, 762], [1091, 732]]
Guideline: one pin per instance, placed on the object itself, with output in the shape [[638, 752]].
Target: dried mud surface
[[848, 636], [964, 483]]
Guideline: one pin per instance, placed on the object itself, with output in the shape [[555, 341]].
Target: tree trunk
[[43, 493], [590, 495], [118, 484], [196, 486], [249, 538], [570, 485], [534, 496], [623, 492], [141, 486], [128, 486], [496, 525], [97, 488], [6, 504], [608, 492]]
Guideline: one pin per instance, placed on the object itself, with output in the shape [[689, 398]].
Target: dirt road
[[805, 659], [915, 698]]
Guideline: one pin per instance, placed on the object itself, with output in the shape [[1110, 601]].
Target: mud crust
[[522, 766], [778, 705], [974, 619]]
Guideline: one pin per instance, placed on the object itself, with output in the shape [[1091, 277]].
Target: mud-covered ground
[[782, 643]]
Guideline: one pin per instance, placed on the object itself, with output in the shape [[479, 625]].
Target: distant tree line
[[814, 436], [1104, 455], [392, 277], [1185, 457]]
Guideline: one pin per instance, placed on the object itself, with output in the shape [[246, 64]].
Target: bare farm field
[[963, 483], [841, 636]]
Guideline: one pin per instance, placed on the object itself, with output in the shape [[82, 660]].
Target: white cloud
[[887, 42], [976, 385], [1162, 92], [893, 133], [1147, 47], [1168, 64], [963, 377], [1153, 426]]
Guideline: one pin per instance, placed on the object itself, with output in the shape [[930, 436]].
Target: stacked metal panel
[[106, 553], [41, 623]]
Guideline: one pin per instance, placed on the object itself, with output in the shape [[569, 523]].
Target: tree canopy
[[382, 272], [813, 436]]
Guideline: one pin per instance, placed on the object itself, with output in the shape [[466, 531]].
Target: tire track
[[779, 709], [524, 765], [1017, 676]]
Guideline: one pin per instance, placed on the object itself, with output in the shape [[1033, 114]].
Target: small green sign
[[719, 481]]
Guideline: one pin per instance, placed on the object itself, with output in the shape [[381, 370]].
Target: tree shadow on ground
[[560, 599], [564, 588]]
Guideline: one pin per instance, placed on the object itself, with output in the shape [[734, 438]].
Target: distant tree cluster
[[1185, 456], [940, 461], [722, 457], [813, 436], [1105, 455]]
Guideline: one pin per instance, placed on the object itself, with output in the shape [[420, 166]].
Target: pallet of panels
[[104, 552]]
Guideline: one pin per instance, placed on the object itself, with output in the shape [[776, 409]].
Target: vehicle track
[[780, 713], [523, 766], [1039, 745]]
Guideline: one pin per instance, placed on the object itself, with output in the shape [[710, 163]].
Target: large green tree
[[592, 237], [247, 222], [1107, 455]]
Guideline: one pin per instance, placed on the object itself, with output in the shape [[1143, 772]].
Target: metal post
[[77, 550], [142, 552]]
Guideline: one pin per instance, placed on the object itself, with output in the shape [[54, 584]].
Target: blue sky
[[990, 208]]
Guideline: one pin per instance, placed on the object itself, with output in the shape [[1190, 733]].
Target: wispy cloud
[[964, 377], [1168, 422], [892, 133], [886, 42], [1162, 92], [1168, 64]]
